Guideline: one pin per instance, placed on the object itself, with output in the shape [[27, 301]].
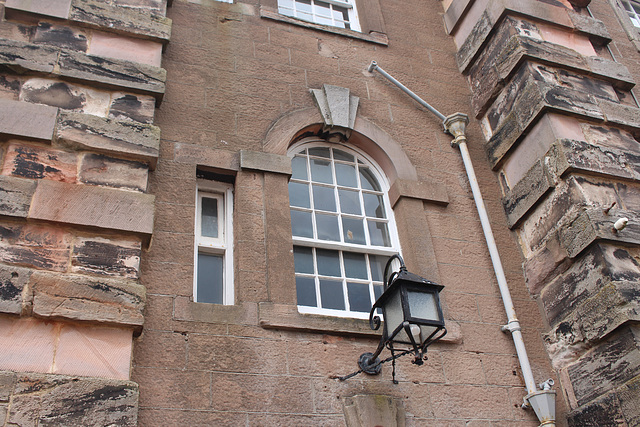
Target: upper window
[[336, 13], [343, 229], [213, 278], [633, 11]]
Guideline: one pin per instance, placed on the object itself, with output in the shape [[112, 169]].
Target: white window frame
[[349, 5], [342, 247], [223, 244], [632, 9]]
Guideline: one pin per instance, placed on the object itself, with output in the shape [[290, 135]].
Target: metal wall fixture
[[413, 319]]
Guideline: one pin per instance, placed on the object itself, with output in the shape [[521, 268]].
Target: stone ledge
[[24, 57], [78, 297], [265, 162], [428, 191], [93, 206], [497, 10], [96, 14], [287, 317], [186, 310], [378, 38], [43, 399], [19, 118]]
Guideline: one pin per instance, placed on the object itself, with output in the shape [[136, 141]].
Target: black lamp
[[412, 314]]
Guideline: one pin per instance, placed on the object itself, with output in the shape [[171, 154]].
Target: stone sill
[[269, 13], [287, 317]]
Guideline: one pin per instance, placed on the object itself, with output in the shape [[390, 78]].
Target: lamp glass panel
[[422, 305], [393, 316]]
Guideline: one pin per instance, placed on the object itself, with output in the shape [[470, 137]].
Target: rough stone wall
[[551, 86], [238, 90], [79, 83]]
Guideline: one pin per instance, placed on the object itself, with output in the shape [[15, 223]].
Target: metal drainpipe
[[542, 401]]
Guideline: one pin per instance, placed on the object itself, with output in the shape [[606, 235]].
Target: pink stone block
[[36, 162], [94, 352], [27, 344], [57, 8], [118, 47], [563, 37]]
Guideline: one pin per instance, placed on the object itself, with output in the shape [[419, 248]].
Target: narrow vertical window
[[213, 276]]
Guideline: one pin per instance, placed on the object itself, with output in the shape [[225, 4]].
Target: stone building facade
[[197, 197]]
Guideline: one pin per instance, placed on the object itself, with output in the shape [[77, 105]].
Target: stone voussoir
[[85, 298], [136, 141]]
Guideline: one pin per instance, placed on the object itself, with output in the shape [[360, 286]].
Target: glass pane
[[359, 299], [303, 5], [299, 195], [324, 198], [321, 171], [285, 7], [209, 278], [331, 294], [353, 231], [320, 151], [346, 175], [355, 265], [377, 291], [328, 262], [341, 17], [327, 227], [367, 180], [349, 202], [306, 291], [299, 168], [423, 305], [301, 225], [373, 205], [379, 233], [303, 259], [209, 220], [377, 264], [341, 155], [393, 316]]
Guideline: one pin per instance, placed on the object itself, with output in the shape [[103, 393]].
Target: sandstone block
[[527, 192], [15, 196], [59, 35], [39, 246], [27, 120], [65, 96], [85, 298], [93, 206], [36, 162], [14, 295], [265, 162], [98, 169], [139, 108], [18, 57], [108, 257], [57, 9], [430, 191], [121, 138], [378, 410]]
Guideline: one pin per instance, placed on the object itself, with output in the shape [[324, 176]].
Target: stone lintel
[[27, 120], [266, 162], [86, 298], [287, 317], [128, 21], [428, 191], [132, 140], [538, 11], [15, 196], [93, 207]]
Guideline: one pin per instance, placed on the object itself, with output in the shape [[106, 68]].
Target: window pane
[[331, 294], [324, 198], [377, 264], [353, 231], [379, 233], [367, 180], [301, 225], [346, 175], [209, 221], [303, 259], [341, 155], [320, 151], [355, 265], [299, 195], [328, 262], [373, 205], [327, 227], [341, 17], [209, 278], [285, 7], [299, 168], [321, 171], [359, 299], [306, 291], [349, 202]]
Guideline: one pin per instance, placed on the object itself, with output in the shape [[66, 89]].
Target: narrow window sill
[[287, 317], [378, 38]]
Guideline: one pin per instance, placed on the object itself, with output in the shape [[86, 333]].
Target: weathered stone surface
[[40, 246], [267, 162], [65, 96], [57, 9], [15, 196], [54, 400], [527, 192], [121, 19], [106, 257], [122, 138], [93, 206], [13, 299], [27, 120], [79, 297], [37, 162], [139, 108], [18, 57], [373, 410], [60, 36], [99, 169], [429, 191], [602, 412], [607, 366]]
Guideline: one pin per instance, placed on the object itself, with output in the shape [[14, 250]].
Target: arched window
[[342, 226]]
